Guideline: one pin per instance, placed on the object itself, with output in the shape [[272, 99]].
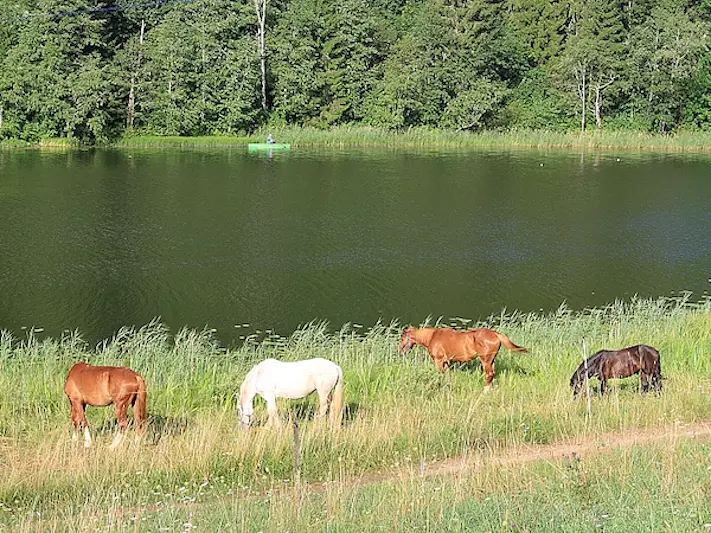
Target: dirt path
[[576, 447]]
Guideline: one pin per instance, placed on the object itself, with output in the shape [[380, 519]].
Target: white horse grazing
[[273, 379]]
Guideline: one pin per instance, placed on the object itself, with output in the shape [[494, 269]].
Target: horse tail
[[509, 343], [657, 375], [140, 408], [337, 401]]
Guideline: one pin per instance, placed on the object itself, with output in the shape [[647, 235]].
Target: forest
[[95, 71]]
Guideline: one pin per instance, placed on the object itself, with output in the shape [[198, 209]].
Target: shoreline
[[416, 138]]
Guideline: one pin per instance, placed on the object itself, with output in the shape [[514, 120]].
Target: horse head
[[245, 415], [407, 341], [245, 408], [577, 380], [589, 368]]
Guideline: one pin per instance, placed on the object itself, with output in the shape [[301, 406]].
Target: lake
[[99, 239]]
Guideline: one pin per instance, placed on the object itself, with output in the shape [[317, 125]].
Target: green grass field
[[197, 469]]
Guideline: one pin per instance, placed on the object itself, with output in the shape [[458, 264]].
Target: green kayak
[[260, 147]]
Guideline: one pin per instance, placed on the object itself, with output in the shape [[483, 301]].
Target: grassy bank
[[400, 414], [421, 138], [662, 488]]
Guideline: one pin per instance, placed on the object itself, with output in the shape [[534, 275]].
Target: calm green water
[[97, 240]]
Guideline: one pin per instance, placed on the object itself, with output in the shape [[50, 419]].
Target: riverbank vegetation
[[429, 139], [197, 467], [98, 71]]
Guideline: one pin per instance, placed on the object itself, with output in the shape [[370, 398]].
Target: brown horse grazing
[[101, 386], [447, 345], [609, 364]]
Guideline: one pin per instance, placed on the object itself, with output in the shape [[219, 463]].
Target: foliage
[[193, 68]]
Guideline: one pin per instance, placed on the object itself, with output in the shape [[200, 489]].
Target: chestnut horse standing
[[100, 386], [611, 364], [448, 345]]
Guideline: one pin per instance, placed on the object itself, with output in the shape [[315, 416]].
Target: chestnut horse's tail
[[509, 343], [337, 401], [140, 408]]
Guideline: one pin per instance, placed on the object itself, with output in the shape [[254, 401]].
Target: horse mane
[[247, 382], [592, 364], [423, 336]]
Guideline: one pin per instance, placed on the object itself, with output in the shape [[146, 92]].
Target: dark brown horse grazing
[[101, 386], [610, 364], [447, 345]]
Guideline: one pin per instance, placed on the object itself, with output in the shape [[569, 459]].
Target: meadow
[[196, 469]]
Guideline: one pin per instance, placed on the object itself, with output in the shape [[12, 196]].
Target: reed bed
[[413, 138], [157, 141], [401, 414], [9, 144], [427, 138]]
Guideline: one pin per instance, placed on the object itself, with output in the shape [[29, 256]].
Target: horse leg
[[322, 402], [76, 411], [121, 415], [272, 411], [656, 382], [645, 383], [80, 408], [441, 364], [487, 362], [603, 386]]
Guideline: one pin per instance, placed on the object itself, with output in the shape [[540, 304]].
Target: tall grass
[[7, 144], [400, 412], [174, 141], [420, 138], [426, 138]]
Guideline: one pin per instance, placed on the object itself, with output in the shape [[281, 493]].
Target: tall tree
[[55, 83], [666, 52], [200, 70], [260, 8], [540, 27], [594, 57], [325, 61], [452, 68]]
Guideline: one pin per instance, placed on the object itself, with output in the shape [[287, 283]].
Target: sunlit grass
[[658, 487], [157, 141], [426, 138], [400, 412], [419, 138]]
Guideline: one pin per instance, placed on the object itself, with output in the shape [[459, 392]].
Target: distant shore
[[416, 138]]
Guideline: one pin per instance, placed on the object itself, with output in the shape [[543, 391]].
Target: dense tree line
[[227, 66]]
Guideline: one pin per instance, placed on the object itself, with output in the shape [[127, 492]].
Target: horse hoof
[[487, 388]]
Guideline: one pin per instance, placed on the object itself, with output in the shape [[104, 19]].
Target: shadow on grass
[[503, 366], [305, 409], [158, 426]]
